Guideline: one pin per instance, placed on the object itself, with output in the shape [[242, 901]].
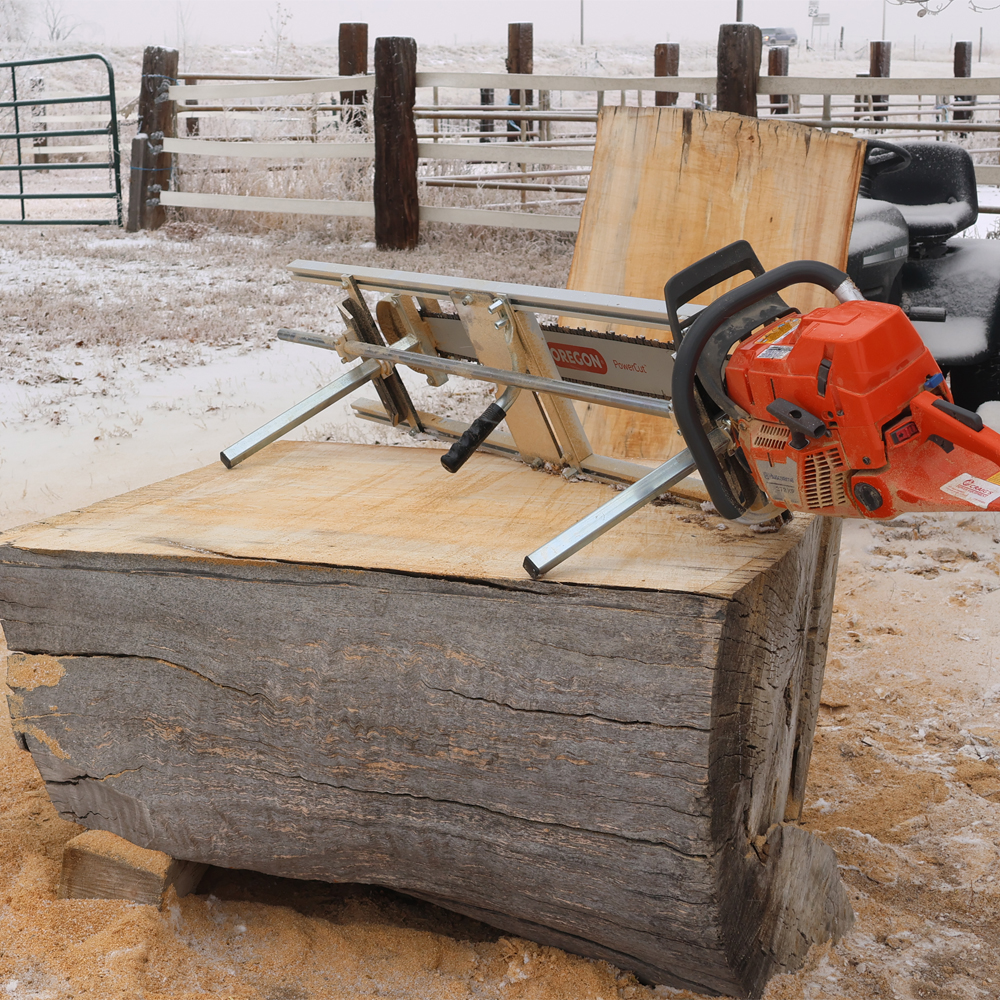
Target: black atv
[[914, 198]]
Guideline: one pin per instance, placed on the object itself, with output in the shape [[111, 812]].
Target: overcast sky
[[244, 22]]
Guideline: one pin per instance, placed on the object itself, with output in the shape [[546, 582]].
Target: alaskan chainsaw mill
[[842, 412]]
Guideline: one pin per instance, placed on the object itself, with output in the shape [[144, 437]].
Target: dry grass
[[190, 282]]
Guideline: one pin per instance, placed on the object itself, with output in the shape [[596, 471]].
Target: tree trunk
[[368, 689]]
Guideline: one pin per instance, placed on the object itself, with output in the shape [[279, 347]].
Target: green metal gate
[[21, 136]]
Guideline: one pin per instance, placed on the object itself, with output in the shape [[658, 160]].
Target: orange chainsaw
[[841, 412]]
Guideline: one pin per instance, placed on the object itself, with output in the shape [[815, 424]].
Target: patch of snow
[[957, 338], [946, 216], [990, 412]]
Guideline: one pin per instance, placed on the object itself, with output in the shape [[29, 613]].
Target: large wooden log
[[328, 664]]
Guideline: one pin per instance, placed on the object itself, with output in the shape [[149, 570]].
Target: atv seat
[[935, 191]]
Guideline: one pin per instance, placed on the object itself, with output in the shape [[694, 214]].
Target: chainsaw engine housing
[[848, 414]]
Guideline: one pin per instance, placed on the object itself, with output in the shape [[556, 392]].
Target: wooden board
[[328, 664], [101, 865], [670, 185]]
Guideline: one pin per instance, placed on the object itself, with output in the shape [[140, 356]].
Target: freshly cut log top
[[396, 509]]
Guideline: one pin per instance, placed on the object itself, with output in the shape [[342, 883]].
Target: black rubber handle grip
[[479, 430], [695, 340]]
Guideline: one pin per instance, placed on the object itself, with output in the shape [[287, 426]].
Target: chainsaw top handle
[[705, 274], [699, 334]]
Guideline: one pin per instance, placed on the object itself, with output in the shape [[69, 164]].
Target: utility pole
[[739, 10], [581, 22], [883, 19]]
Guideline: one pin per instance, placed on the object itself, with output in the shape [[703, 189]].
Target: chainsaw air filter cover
[[849, 415]]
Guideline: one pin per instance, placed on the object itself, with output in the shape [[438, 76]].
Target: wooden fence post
[[353, 61], [738, 72], [486, 100], [137, 185], [879, 58], [666, 62], [157, 120], [520, 59], [397, 206], [963, 67], [777, 65]]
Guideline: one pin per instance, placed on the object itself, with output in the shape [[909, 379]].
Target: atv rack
[[494, 332]]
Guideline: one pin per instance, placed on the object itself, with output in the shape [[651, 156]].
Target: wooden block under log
[[328, 663], [101, 865]]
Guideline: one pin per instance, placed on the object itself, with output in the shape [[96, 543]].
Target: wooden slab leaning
[[670, 185], [328, 663]]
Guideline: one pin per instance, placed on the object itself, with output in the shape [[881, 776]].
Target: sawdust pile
[[904, 786]]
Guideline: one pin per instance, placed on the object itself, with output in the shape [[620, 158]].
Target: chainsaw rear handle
[[683, 388], [950, 425]]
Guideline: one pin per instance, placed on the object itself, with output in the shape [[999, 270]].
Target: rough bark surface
[[738, 70], [600, 768], [397, 204]]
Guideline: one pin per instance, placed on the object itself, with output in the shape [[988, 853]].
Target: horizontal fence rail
[[521, 133], [272, 88], [818, 86], [366, 210]]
